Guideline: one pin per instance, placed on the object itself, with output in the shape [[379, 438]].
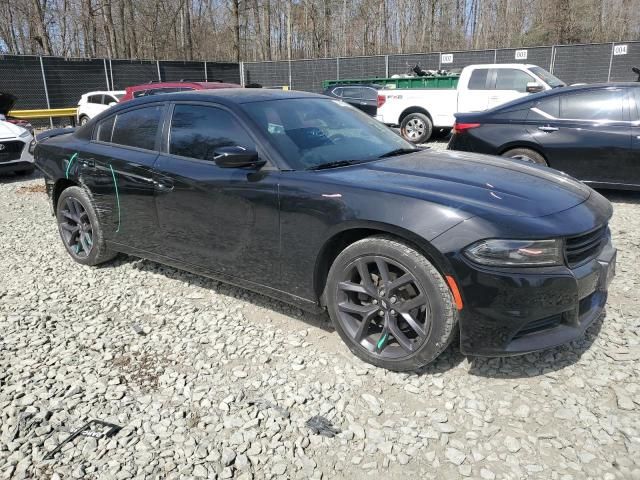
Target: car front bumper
[[516, 312], [23, 162]]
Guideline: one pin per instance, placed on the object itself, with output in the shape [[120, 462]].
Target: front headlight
[[516, 253], [25, 134]]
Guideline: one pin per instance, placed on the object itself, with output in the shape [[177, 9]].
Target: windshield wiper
[[337, 163], [399, 151]]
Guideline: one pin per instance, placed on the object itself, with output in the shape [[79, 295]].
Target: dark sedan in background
[[308, 200], [363, 97], [591, 132]]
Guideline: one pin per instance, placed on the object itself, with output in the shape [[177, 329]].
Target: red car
[[171, 87]]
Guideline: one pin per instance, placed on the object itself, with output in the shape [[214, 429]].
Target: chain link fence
[[588, 63], [57, 82]]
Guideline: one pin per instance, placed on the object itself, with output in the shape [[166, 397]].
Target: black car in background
[[364, 97], [591, 132], [297, 197]]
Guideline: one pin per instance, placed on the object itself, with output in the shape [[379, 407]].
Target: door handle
[[548, 129]]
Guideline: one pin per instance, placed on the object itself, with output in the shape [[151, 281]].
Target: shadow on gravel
[[538, 363], [315, 320], [7, 178], [621, 196]]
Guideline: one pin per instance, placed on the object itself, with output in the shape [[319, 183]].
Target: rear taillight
[[381, 100], [463, 127]]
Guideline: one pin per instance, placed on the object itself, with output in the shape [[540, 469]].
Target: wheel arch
[[415, 109], [511, 146], [60, 186], [353, 233]]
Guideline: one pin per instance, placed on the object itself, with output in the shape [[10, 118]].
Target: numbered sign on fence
[[446, 58], [521, 54], [620, 50]]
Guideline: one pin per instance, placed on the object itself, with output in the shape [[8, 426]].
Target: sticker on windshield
[[275, 129]]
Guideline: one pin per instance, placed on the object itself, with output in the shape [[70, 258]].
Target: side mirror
[[534, 87], [237, 157]]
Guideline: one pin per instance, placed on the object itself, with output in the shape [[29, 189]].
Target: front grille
[[582, 248], [539, 325], [11, 151]]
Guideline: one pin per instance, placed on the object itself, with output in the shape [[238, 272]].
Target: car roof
[[377, 86], [205, 85], [103, 92], [226, 96]]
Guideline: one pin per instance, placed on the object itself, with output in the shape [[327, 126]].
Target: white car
[[15, 143], [93, 103], [418, 111]]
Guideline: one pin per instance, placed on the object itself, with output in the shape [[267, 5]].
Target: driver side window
[[197, 131]]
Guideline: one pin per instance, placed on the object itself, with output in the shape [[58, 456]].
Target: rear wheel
[[389, 304], [416, 127], [80, 228], [84, 119], [527, 155]]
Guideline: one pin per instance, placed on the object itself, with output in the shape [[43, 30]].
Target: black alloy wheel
[[75, 227], [382, 307], [389, 304], [80, 228]]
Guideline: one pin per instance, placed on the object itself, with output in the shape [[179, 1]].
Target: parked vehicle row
[[591, 132], [303, 198], [419, 111]]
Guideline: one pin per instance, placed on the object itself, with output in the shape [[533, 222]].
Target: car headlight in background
[[25, 134], [516, 253]]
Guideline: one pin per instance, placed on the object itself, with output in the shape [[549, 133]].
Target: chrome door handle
[[548, 129]]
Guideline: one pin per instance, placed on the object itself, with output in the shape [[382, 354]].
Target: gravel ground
[[209, 381]]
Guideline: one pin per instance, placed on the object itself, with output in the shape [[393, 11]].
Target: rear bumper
[[516, 313]]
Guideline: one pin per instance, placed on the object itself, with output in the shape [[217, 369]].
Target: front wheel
[[84, 120], [416, 127], [80, 228], [389, 304]]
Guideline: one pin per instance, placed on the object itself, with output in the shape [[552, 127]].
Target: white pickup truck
[[418, 111]]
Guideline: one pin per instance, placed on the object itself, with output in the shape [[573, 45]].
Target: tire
[[75, 212], [84, 120], [416, 127], [527, 155], [387, 340]]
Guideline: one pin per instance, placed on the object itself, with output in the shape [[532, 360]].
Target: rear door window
[[478, 80], [512, 79], [94, 99], [138, 128], [636, 94], [198, 130], [600, 104], [546, 109]]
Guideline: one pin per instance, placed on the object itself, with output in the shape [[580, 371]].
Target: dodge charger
[[306, 199]]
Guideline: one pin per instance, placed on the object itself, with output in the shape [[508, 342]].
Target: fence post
[[46, 90], [338, 68], [158, 67], [439, 60], [553, 58], [495, 55], [386, 66], [242, 81], [206, 79], [106, 75], [113, 85], [290, 79], [613, 45]]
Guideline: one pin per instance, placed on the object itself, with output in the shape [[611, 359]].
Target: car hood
[[9, 130], [7, 101], [477, 184]]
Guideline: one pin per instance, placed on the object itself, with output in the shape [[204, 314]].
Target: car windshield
[[312, 133], [548, 78]]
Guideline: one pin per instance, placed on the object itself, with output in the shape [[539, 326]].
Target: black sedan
[[591, 132], [306, 199], [364, 97]]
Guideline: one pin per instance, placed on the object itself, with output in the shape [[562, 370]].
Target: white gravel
[[209, 381]]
